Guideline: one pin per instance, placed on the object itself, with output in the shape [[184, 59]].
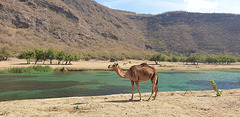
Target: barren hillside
[[84, 26]]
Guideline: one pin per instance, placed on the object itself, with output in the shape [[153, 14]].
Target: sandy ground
[[197, 103], [96, 64]]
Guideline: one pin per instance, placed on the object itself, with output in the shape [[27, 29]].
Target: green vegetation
[[193, 58], [76, 107], [32, 69], [157, 57], [51, 54], [210, 59], [214, 86], [28, 55], [221, 60], [173, 59], [187, 90], [5, 53]]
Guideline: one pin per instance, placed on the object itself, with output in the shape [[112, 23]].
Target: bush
[[32, 69], [113, 60], [157, 57], [175, 59], [5, 53], [220, 60]]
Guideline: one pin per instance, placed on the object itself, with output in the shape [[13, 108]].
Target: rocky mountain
[[84, 26], [193, 32]]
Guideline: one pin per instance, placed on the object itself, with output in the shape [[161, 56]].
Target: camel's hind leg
[[153, 88], [156, 89], [138, 90], [132, 83]]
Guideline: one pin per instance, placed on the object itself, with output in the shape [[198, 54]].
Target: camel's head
[[113, 66]]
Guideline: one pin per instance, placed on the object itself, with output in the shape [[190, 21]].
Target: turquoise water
[[52, 85]]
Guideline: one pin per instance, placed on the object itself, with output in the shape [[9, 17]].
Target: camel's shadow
[[121, 101]]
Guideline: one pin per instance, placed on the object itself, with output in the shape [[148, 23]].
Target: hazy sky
[[160, 6]]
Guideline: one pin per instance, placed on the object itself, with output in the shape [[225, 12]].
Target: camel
[[138, 73]]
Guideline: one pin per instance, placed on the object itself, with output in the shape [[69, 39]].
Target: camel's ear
[[116, 64]]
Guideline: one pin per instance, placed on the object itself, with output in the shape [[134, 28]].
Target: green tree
[[210, 60], [193, 59], [175, 59], [39, 55], [60, 56], [69, 58], [5, 53], [28, 55], [51, 54], [231, 60], [157, 57]]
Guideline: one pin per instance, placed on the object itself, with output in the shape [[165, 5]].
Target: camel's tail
[[157, 80], [155, 75]]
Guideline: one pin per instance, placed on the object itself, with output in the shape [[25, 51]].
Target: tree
[[194, 59], [60, 56], [210, 60], [71, 57], [157, 57], [39, 54], [28, 55], [231, 60], [175, 59], [5, 53], [51, 54]]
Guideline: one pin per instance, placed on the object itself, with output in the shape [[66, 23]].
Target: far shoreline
[[100, 65]]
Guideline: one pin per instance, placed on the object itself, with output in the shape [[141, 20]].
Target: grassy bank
[[31, 69]]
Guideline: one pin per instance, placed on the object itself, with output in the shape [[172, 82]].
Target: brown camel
[[139, 73]]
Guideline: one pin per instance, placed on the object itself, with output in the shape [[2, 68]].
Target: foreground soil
[[103, 65], [197, 103]]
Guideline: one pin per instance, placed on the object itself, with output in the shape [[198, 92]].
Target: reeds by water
[[31, 69]]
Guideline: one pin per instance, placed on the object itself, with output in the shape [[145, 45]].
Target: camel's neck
[[120, 72]]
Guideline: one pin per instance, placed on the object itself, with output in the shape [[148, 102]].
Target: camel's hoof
[[130, 99], [140, 100]]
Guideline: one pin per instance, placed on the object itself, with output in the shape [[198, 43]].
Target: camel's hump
[[143, 64]]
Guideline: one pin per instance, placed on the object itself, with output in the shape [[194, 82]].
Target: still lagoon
[[91, 83]]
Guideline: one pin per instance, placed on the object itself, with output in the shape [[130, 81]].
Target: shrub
[[32, 69], [157, 57]]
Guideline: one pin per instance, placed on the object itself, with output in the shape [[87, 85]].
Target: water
[[52, 85]]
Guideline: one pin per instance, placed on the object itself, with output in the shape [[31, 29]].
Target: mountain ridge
[[84, 26]]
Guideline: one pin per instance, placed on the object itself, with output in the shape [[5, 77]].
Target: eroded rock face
[[58, 10], [20, 24]]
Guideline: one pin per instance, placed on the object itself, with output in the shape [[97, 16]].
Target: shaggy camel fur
[[139, 73]]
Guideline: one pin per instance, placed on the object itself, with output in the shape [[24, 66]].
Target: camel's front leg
[[138, 90], [132, 82]]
